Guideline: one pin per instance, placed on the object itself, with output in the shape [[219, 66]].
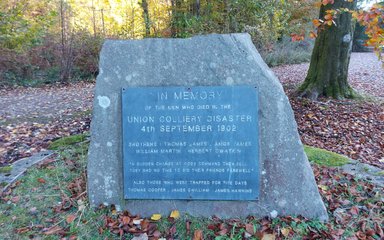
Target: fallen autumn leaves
[[355, 208]]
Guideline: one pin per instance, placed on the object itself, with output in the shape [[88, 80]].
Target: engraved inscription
[[191, 143]]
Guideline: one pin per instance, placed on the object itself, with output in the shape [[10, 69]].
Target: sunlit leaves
[[156, 217], [175, 214], [312, 34], [317, 22], [373, 21], [24, 23]]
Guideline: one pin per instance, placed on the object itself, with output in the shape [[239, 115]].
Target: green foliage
[[24, 23], [325, 158], [266, 21]]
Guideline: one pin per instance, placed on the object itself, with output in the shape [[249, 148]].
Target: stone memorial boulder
[[287, 184]]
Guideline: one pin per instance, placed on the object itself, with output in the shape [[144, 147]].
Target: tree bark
[[144, 5], [328, 71], [196, 8], [66, 50], [173, 18]]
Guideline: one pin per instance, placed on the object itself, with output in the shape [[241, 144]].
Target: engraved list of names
[[198, 143]]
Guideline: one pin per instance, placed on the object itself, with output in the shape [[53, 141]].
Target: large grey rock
[[288, 185]]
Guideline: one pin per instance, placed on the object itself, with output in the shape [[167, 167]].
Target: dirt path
[[48, 102], [30, 118]]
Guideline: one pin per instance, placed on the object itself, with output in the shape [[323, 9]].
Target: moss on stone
[[325, 158], [67, 141], [6, 169]]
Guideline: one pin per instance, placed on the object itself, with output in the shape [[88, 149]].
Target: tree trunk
[[144, 5], [328, 71], [196, 8], [65, 69]]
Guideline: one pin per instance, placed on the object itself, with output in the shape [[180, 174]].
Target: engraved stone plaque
[[198, 143]]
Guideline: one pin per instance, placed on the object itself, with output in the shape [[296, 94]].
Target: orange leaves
[[317, 22], [297, 37], [41, 180], [373, 21], [70, 218], [325, 2], [198, 235], [328, 19], [312, 34]]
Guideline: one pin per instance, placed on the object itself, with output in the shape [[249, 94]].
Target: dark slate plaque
[[191, 143]]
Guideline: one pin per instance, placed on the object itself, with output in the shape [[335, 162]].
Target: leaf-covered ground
[[352, 128], [366, 74], [30, 118], [355, 209]]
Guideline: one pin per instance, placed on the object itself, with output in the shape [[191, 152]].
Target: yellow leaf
[[322, 187], [175, 214], [355, 14], [268, 237], [156, 217], [285, 232]]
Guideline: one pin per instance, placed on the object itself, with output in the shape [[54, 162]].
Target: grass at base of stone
[[66, 141], [39, 203], [325, 158], [50, 202]]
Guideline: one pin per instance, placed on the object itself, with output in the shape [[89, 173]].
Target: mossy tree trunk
[[328, 71]]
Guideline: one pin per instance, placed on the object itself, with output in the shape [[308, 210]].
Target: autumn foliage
[[372, 19]]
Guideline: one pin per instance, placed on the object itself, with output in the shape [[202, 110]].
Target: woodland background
[[46, 41]]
